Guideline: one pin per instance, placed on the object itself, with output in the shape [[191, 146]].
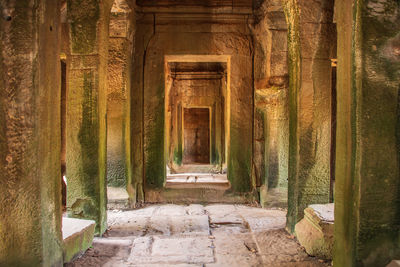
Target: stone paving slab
[[262, 220], [172, 250], [130, 225], [223, 214], [265, 223], [170, 210], [190, 224]]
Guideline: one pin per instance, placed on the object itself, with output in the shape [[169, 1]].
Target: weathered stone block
[[117, 199], [315, 231], [77, 237]]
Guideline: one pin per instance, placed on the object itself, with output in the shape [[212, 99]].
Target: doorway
[[196, 136]]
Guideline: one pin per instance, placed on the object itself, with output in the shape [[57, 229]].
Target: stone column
[[119, 170], [368, 125], [30, 188], [311, 42], [271, 119], [86, 110]]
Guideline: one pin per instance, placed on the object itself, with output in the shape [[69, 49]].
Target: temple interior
[[200, 133]]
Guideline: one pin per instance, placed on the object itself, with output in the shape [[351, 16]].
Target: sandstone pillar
[[119, 170], [86, 110], [30, 188], [311, 42], [271, 142], [367, 172]]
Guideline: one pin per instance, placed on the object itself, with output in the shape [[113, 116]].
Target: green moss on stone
[[154, 146], [239, 163], [178, 155]]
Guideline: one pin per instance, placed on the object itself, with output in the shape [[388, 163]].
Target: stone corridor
[[109, 105], [197, 235]]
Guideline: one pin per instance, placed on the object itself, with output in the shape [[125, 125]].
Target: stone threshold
[[198, 180]]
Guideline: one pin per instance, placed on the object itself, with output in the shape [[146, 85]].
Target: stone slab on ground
[[131, 224], [172, 250], [262, 220], [170, 210], [77, 236], [223, 214], [173, 225], [315, 231], [190, 225]]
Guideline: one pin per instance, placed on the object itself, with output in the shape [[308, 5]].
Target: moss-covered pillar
[[30, 188], [86, 110], [367, 196], [311, 42], [119, 170]]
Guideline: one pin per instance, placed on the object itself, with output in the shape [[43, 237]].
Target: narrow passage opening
[[333, 131], [63, 109]]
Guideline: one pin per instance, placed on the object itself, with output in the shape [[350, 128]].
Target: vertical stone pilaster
[[30, 188], [86, 110], [367, 156]]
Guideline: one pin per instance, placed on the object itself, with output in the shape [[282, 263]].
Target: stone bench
[[315, 231]]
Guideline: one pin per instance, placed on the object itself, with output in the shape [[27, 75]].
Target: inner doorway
[[196, 136], [196, 115]]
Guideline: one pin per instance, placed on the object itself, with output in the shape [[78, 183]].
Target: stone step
[[198, 193], [199, 168], [78, 236], [198, 180]]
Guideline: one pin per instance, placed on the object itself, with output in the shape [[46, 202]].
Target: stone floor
[[196, 235]]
